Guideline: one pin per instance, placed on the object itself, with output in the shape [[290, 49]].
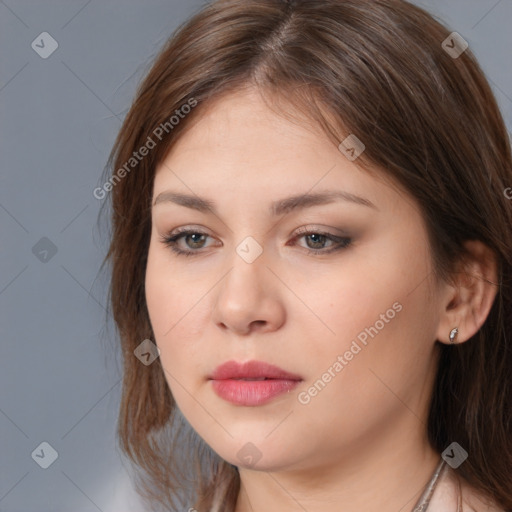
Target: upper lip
[[251, 370]]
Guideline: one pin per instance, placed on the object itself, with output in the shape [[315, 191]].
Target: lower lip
[[252, 392]]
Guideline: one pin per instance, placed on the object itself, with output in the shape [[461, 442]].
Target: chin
[[258, 455]]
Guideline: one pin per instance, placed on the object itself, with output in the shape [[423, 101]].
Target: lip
[[251, 370], [228, 384]]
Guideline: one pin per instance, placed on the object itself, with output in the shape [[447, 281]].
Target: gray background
[[60, 369]]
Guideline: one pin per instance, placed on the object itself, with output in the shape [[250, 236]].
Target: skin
[[361, 441]]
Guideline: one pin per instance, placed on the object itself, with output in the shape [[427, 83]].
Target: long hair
[[382, 70]]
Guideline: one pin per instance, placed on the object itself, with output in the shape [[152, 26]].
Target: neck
[[389, 475]]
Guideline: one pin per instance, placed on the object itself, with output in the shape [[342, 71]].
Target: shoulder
[[473, 501], [452, 490]]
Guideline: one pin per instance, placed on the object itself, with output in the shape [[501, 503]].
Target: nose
[[249, 298]]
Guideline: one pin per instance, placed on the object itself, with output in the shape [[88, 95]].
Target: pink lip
[[228, 386]]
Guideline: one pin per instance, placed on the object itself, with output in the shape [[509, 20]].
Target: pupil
[[195, 235], [316, 236]]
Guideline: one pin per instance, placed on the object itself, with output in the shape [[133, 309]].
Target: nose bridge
[[247, 234], [244, 296], [247, 269]]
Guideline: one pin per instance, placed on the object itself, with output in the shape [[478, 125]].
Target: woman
[[311, 265]]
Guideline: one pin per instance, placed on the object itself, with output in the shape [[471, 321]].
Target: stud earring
[[453, 335]]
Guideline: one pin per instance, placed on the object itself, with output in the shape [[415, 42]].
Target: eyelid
[[302, 230], [326, 231]]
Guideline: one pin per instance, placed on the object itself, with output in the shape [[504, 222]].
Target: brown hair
[[376, 69]]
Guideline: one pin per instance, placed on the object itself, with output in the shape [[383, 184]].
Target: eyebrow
[[277, 208]]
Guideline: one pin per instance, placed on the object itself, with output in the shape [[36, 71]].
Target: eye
[[318, 239], [195, 240], [189, 235]]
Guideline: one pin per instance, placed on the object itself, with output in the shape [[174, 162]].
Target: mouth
[[251, 370], [252, 383]]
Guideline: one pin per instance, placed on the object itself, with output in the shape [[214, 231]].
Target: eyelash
[[172, 240]]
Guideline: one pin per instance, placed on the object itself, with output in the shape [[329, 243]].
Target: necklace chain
[[424, 500]]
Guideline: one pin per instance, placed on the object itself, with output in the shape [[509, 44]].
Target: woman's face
[[350, 320]]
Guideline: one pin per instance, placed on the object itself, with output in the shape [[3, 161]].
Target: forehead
[[244, 121], [239, 145]]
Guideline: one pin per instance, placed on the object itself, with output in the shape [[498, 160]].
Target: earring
[[453, 335]]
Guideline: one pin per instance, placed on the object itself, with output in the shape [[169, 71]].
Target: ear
[[467, 302]]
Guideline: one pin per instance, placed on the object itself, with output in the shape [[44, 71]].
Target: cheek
[[352, 296], [160, 294], [392, 320], [177, 310], [164, 307], [389, 367], [379, 299]]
